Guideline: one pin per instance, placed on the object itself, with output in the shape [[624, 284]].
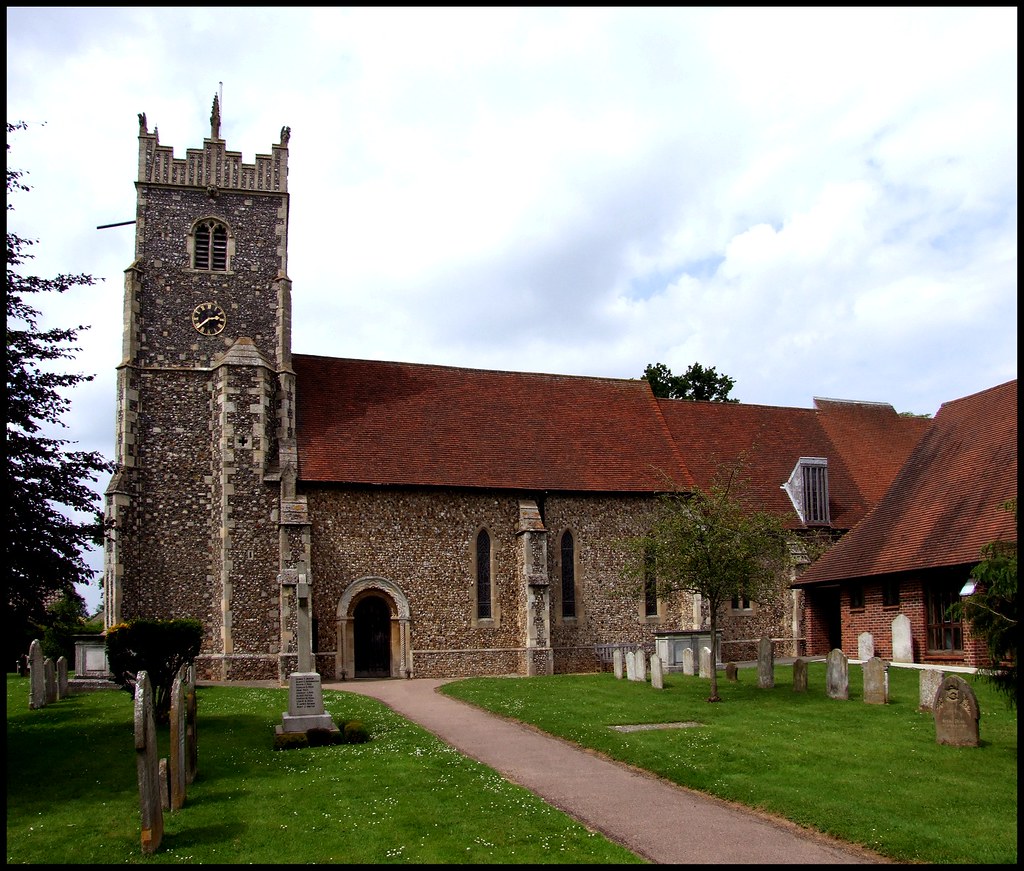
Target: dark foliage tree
[[159, 648], [992, 613], [712, 543], [46, 481], [696, 383]]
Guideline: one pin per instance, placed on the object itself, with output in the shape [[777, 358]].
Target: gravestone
[[837, 675], [657, 678], [178, 750], [876, 681], [50, 674], [705, 662], [305, 694], [147, 766], [191, 720], [929, 681], [688, 661], [640, 666], [956, 713], [902, 639], [630, 665], [799, 675], [165, 786], [865, 646], [731, 672], [617, 662], [62, 677], [765, 664], [37, 676]]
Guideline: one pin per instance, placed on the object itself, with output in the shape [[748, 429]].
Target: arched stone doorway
[[373, 631], [371, 619]]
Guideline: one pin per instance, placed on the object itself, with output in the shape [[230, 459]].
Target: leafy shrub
[[158, 647], [324, 737], [290, 740], [356, 733]]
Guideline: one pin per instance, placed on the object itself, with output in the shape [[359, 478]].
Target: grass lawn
[[868, 774], [404, 797]]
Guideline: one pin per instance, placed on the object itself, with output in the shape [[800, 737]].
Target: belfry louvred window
[[211, 246]]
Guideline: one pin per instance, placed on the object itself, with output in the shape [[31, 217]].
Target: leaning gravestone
[[956, 713], [865, 646], [688, 661], [37, 676], [657, 678], [731, 672], [837, 675], [148, 766], [50, 673], [705, 662], [191, 735], [799, 675], [876, 681], [62, 677], [179, 751], [765, 664], [902, 639], [928, 685], [617, 663]]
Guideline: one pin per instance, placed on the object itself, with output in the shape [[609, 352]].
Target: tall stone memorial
[[305, 694], [956, 713], [148, 766]]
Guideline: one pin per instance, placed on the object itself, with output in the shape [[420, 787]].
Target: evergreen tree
[[46, 481]]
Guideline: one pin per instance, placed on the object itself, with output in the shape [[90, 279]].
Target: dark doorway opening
[[831, 610], [372, 619]]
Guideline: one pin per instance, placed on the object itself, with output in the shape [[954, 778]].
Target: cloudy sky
[[816, 203]]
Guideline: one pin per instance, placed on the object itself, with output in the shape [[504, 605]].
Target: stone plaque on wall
[[294, 511]]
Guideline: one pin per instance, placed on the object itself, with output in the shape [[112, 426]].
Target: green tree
[[710, 542], [158, 647], [65, 619], [47, 483], [991, 611], [696, 383]]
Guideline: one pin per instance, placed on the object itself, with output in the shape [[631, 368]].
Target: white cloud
[[815, 202]]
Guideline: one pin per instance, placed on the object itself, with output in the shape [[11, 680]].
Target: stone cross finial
[[215, 119]]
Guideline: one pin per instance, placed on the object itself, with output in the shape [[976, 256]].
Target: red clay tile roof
[[944, 505], [865, 444], [368, 422]]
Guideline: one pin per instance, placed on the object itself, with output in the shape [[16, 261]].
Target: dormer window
[[210, 246], [808, 490]]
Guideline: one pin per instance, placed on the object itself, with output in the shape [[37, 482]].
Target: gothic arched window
[[210, 246], [483, 575], [568, 575]]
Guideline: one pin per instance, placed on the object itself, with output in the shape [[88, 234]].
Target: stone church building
[[435, 521]]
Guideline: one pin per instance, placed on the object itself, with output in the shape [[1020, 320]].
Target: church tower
[[204, 520]]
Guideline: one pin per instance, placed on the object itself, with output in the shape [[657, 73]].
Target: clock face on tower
[[208, 318]]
